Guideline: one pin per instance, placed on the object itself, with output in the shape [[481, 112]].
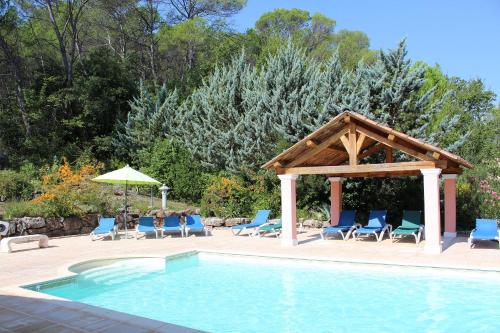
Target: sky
[[462, 36]]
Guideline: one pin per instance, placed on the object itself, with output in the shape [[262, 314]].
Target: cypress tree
[[223, 123], [149, 117]]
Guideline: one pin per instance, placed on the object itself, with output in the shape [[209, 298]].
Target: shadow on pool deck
[[35, 314]]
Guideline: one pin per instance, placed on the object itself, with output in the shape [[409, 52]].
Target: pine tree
[[150, 117]]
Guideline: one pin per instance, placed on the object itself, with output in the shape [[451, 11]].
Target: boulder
[[213, 221], [312, 223], [236, 221], [37, 231], [12, 228], [90, 220], [72, 225], [86, 230], [31, 222], [54, 223], [56, 233]]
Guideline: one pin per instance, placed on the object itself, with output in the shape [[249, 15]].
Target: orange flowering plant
[[68, 191]]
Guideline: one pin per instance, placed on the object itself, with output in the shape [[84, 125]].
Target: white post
[[164, 189], [432, 211], [288, 210]]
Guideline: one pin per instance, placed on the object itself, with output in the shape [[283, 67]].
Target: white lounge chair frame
[[138, 233], [418, 235], [378, 235], [187, 229], [345, 236]]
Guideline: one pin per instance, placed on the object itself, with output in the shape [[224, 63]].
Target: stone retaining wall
[[55, 227]]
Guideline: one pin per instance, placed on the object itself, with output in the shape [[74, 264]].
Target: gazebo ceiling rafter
[[351, 137]]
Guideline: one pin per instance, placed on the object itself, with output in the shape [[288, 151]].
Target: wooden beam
[[365, 168], [277, 165], [388, 155], [393, 144], [323, 145], [311, 144], [391, 137], [345, 142], [353, 160], [436, 155], [367, 152], [377, 174], [359, 143]]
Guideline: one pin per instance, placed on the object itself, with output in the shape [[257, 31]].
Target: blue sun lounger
[[486, 229], [376, 226], [106, 227], [172, 225], [260, 219], [345, 225], [194, 224], [145, 226]]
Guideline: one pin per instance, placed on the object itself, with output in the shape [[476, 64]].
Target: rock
[[86, 230], [56, 233], [213, 221], [90, 220], [31, 222], [72, 225], [312, 223], [236, 221], [37, 231], [55, 223], [12, 228]]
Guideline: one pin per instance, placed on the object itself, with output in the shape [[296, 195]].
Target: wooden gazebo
[[338, 150]]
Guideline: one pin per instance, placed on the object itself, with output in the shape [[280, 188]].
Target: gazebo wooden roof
[[339, 148]]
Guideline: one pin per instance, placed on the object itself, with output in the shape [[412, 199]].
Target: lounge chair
[[172, 225], [486, 229], [106, 227], [260, 219], [376, 226], [410, 225], [345, 225], [145, 226], [265, 228], [194, 224]]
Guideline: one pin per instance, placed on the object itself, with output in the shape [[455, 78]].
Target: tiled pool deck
[[27, 311]]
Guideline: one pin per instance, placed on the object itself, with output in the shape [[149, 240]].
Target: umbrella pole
[[125, 210]]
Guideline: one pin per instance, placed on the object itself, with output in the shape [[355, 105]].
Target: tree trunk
[[68, 66]]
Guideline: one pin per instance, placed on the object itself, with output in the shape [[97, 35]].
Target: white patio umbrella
[[127, 176]]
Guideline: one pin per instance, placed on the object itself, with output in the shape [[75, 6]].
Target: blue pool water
[[224, 293]]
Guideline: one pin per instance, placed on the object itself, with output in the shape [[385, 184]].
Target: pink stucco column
[[288, 210], [335, 199], [450, 205], [432, 211]]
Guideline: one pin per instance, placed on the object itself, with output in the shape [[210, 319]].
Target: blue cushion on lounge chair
[[346, 221], [260, 218], [146, 224], [376, 222], [172, 223], [193, 223], [486, 229], [106, 225]]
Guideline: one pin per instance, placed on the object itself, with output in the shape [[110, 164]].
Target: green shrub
[[14, 186], [25, 208], [172, 164], [226, 196]]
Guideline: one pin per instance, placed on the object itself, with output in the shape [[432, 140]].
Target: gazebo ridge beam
[[365, 168]]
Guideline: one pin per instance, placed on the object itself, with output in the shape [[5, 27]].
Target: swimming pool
[[231, 293]]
